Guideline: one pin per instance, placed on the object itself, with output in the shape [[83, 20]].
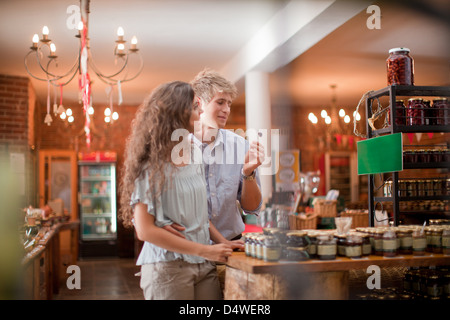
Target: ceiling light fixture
[[82, 65]]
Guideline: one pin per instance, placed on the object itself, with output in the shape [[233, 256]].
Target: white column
[[257, 117]]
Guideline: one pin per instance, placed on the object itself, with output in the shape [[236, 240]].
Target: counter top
[[242, 262]]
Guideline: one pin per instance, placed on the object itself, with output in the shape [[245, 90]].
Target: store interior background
[[179, 38]]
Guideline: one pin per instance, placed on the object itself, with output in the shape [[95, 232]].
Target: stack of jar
[[427, 283], [419, 187], [426, 155], [408, 239], [420, 111]]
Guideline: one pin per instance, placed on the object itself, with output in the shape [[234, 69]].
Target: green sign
[[380, 154]]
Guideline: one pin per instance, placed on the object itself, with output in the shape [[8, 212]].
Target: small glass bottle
[[419, 242], [389, 243], [326, 247], [297, 239], [271, 249], [253, 246], [400, 67], [247, 243], [353, 246], [428, 232]]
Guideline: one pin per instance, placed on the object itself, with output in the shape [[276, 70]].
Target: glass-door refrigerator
[[97, 199]]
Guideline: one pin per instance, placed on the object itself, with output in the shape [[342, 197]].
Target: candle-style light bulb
[[115, 116], [107, 112], [52, 48], [120, 32], [80, 25], [35, 41], [133, 43], [45, 34]]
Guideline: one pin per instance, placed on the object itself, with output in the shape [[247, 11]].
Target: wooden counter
[[250, 278], [42, 265]]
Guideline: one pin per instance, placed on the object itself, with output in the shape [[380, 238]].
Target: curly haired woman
[[157, 191]]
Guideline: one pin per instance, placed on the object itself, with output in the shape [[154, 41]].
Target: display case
[[97, 199], [423, 119]]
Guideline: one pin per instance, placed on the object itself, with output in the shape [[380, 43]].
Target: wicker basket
[[325, 208], [301, 222], [360, 218]]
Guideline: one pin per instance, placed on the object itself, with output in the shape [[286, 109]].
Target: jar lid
[[398, 49], [296, 234], [415, 99]]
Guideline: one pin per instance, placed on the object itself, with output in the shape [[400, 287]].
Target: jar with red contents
[[400, 67], [441, 107], [399, 113], [415, 112]]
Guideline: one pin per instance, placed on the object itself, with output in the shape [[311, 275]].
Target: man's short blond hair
[[208, 83]]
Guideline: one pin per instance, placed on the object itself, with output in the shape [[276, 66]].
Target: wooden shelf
[[252, 265]]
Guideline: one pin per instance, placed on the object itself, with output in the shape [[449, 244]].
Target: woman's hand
[[217, 252]]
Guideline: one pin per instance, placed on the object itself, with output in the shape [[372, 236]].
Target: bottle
[[389, 243], [441, 107], [366, 246], [312, 248], [436, 240], [378, 242], [400, 67]]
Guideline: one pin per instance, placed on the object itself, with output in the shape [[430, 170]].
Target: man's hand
[[176, 229], [254, 158]]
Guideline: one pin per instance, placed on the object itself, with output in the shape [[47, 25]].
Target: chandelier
[[44, 50]]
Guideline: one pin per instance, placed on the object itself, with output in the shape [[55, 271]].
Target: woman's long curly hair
[[149, 145]]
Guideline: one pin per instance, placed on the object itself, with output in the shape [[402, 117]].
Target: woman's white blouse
[[183, 201]]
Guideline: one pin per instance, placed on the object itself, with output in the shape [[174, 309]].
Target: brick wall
[[17, 138]]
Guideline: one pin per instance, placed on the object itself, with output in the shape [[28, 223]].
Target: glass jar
[[247, 240], [341, 241], [442, 111], [378, 242], [400, 67], [297, 239], [271, 249], [353, 246], [428, 230], [389, 243], [436, 240], [326, 247], [312, 248], [406, 240], [429, 113], [411, 188], [415, 113], [407, 281], [253, 245], [296, 254], [434, 285], [399, 111], [446, 241], [366, 246], [419, 243], [387, 189], [259, 242]]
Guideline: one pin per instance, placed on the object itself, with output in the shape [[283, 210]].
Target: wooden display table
[[251, 278], [41, 266]]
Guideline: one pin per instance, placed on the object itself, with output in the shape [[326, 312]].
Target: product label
[[378, 245], [353, 251], [326, 250], [436, 241], [406, 243], [366, 249], [272, 254], [446, 242], [312, 249], [390, 245], [419, 244]]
